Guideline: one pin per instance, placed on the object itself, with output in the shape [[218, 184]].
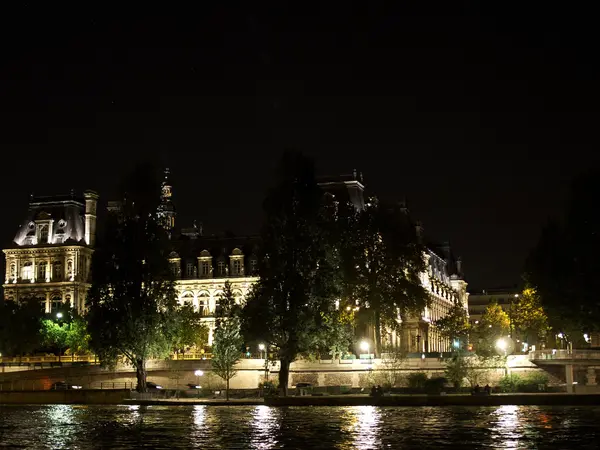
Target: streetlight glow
[[198, 373], [59, 315], [501, 344], [364, 346], [261, 347]]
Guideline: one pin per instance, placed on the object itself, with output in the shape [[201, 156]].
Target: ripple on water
[[263, 427]]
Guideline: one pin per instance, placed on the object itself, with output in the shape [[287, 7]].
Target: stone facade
[[51, 255]]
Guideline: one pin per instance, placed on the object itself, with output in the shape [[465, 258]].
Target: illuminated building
[[51, 254], [51, 257]]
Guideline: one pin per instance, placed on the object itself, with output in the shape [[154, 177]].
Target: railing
[[190, 356], [564, 354], [29, 360], [45, 385], [48, 359]]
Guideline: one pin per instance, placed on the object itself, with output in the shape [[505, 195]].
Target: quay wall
[[250, 372]]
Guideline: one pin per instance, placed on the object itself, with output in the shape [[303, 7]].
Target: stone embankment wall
[[88, 397], [250, 372]]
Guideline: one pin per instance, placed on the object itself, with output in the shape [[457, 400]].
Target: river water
[[263, 427]]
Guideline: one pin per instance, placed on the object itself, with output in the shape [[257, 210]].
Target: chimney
[[91, 201]]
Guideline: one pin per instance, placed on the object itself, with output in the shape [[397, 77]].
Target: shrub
[[435, 385], [534, 381], [417, 380], [510, 383]]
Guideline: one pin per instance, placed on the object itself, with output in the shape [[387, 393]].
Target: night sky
[[479, 118]]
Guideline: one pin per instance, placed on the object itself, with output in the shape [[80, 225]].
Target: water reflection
[[263, 427], [60, 426], [507, 427], [362, 423]]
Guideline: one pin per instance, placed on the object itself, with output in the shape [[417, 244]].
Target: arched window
[[203, 303], [239, 297], [187, 298], [56, 303]]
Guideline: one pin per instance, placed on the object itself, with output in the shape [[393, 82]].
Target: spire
[[166, 210]]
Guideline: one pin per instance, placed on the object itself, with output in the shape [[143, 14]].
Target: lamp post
[[364, 347], [261, 348], [502, 345], [198, 374]]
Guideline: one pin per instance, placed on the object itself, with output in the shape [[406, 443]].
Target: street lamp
[[59, 315], [198, 374], [261, 348], [502, 345]]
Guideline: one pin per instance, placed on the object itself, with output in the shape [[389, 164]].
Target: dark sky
[[478, 117]]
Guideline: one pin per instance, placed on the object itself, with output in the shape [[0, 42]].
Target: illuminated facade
[[51, 258], [443, 280], [51, 255]]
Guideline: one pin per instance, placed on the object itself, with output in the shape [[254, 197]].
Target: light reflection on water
[[262, 427]]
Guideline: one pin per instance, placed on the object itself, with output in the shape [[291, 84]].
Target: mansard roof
[[65, 213], [217, 246]]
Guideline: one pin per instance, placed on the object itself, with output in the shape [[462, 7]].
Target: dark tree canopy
[[564, 265], [298, 267], [133, 310], [383, 260], [20, 327]]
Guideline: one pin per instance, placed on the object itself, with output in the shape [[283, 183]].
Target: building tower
[[166, 210], [91, 200]]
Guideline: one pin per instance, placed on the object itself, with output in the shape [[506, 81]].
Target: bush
[[435, 385], [417, 380], [510, 383], [534, 382]]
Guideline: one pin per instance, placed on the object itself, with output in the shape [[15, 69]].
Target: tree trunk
[[284, 375], [227, 390], [377, 344], [140, 373]]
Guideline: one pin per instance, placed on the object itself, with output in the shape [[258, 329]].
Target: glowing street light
[[501, 344], [261, 347], [59, 315], [364, 346], [198, 374]]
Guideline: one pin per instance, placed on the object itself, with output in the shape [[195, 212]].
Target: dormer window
[[43, 239]]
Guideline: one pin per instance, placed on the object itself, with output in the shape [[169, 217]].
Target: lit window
[[42, 268], [237, 267], [44, 234], [27, 271], [205, 265]]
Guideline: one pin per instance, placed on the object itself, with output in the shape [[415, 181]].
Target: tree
[[20, 327], [227, 340], [493, 325], [563, 266], [334, 334], [297, 268], [132, 301], [529, 320], [455, 325], [382, 263], [190, 329], [68, 332]]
